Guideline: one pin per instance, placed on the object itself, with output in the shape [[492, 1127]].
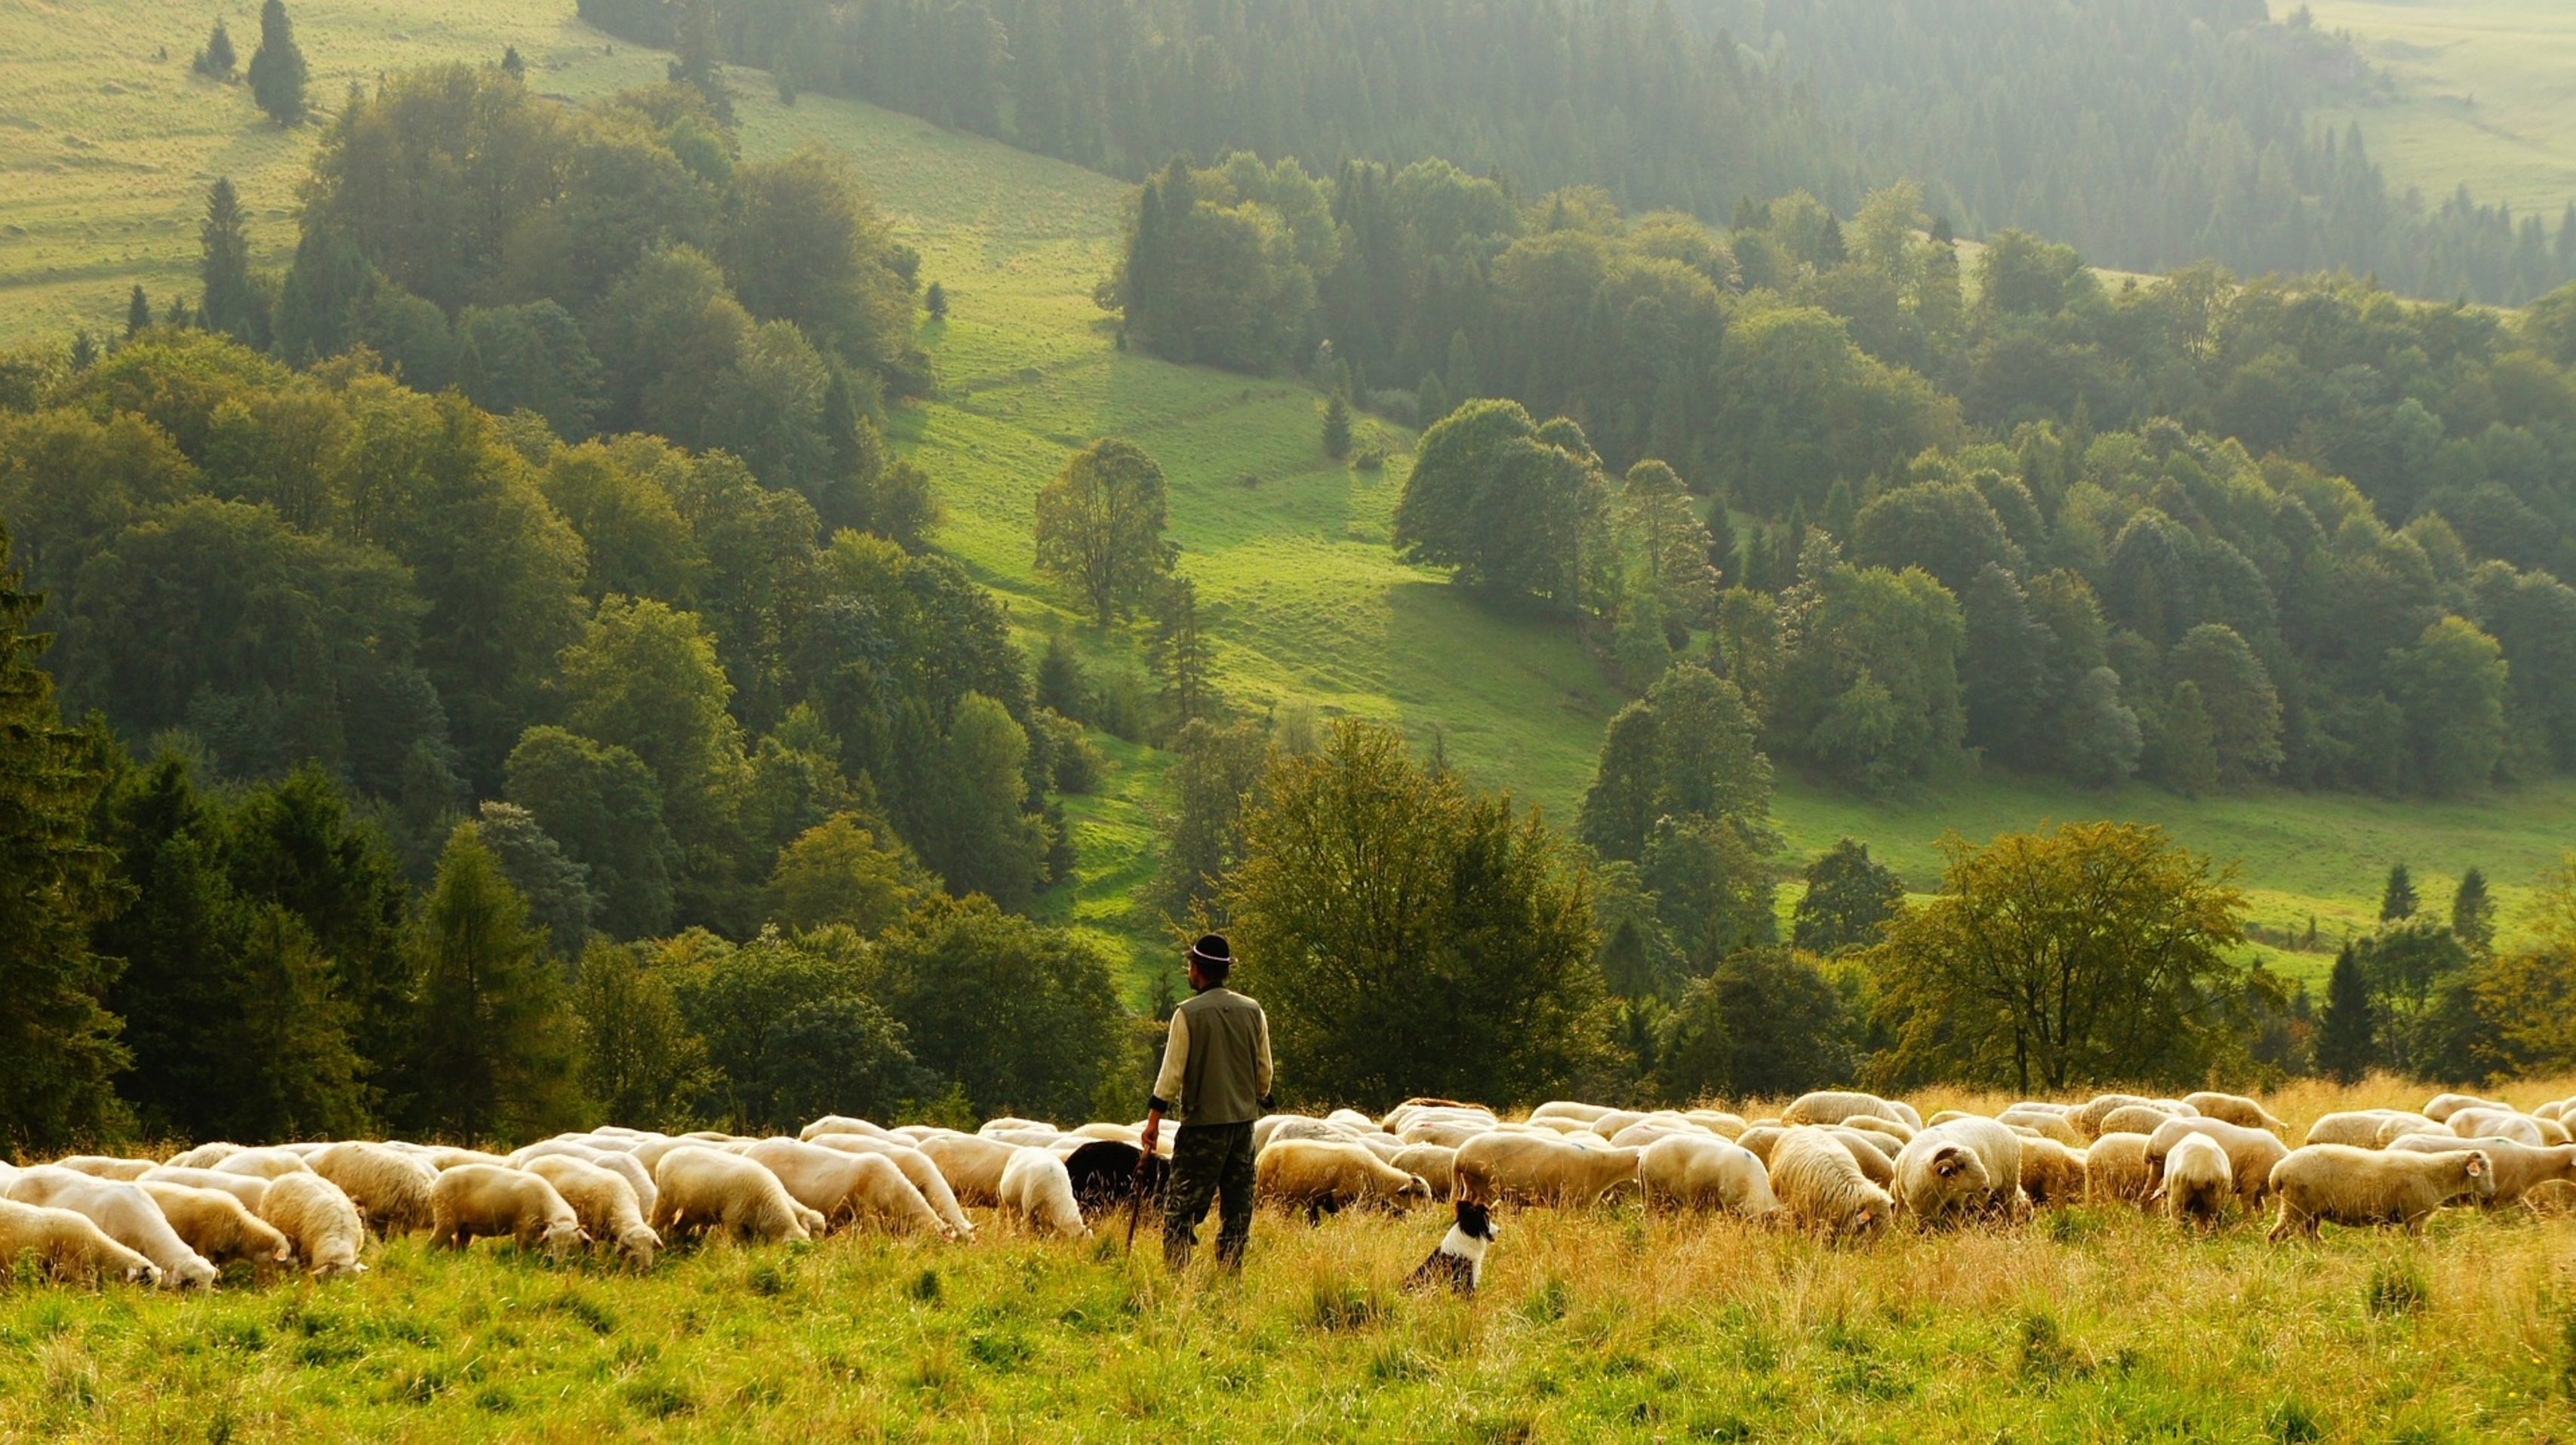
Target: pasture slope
[[2095, 1322], [105, 151], [2481, 96]]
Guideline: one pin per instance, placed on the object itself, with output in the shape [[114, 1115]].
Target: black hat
[[1212, 955]]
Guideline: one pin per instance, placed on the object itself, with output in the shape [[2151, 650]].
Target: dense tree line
[[2150, 133]]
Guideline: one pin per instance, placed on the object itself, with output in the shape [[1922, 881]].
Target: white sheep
[[261, 1163], [444, 1157], [2441, 1107], [2519, 1167], [1718, 1122], [2136, 1119], [843, 1186], [971, 1164], [1874, 1153], [2251, 1152], [1893, 1129], [103, 1166], [1820, 1187], [320, 1219], [490, 1201], [1580, 1113], [1324, 1175], [2235, 1109], [604, 1203], [2485, 1123], [1533, 1168], [1834, 1106], [1966, 1166], [390, 1187], [2357, 1127], [1432, 1164], [1688, 1171], [204, 1156], [2115, 1169], [1037, 1188], [2197, 1180], [917, 1167], [124, 1213], [2401, 1124], [843, 1124], [704, 1189], [2052, 1174], [70, 1245], [2360, 1186], [216, 1225], [252, 1192], [2088, 1118], [620, 1161]]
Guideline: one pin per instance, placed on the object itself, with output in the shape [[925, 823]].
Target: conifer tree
[[2344, 1032], [232, 303], [84, 351], [2187, 754], [1430, 400], [935, 301], [1337, 427], [138, 311], [511, 64], [697, 55], [2473, 911], [277, 70], [2397, 900], [496, 1043], [217, 59]]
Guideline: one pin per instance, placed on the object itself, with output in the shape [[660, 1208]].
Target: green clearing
[[1299, 590], [2483, 95]]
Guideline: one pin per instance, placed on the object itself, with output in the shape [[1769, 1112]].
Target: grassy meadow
[[2482, 95], [2094, 1322], [105, 151]]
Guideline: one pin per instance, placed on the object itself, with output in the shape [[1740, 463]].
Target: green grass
[[1301, 594], [2482, 95]]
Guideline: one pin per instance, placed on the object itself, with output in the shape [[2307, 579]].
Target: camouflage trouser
[[1209, 1162]]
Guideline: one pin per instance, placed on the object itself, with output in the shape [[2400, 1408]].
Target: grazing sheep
[[1568, 1109], [2235, 1109], [1103, 1172], [620, 1162], [444, 1157], [1037, 1188], [2551, 1198], [1647, 1131], [1432, 1164], [2115, 1169], [2480, 1123], [2360, 1186], [2251, 1153], [2519, 1167], [1967, 1166], [604, 1203], [251, 1192], [1616, 1120], [842, 1124], [2197, 1180], [101, 1166], [1451, 1133], [217, 1226], [124, 1213], [1878, 1163], [1030, 1138], [393, 1188], [1688, 1171], [1293, 1126], [2047, 1124], [1832, 1106], [487, 1201], [1759, 1141], [971, 1164], [2357, 1127], [204, 1156], [2052, 1174], [2088, 1119], [704, 1189], [847, 1187], [70, 1245], [271, 1164], [1718, 1122], [1354, 1119], [2136, 1119], [924, 1174], [2399, 1125], [1872, 1124], [1821, 1188], [318, 1219], [1535, 1169], [2441, 1107], [1322, 1176]]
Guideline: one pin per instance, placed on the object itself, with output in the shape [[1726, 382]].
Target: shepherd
[[1216, 1081]]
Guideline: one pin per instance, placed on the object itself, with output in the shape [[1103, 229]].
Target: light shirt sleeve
[[1176, 1062], [1262, 1063]]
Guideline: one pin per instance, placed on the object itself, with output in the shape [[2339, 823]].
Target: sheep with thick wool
[[604, 1203], [391, 1188], [492, 1201], [971, 1163], [2357, 1127], [1822, 1189], [1323, 1176], [1433, 1164], [2441, 1107], [2345, 1185], [2115, 1169], [2484, 1123], [618, 1161], [1874, 1153], [702, 1189], [69, 1244], [2052, 1174], [843, 1124], [2251, 1153], [918, 1168], [204, 1156], [2137, 1119], [1834, 1106], [105, 1166], [2401, 1124], [1036, 1188], [1964, 1167], [1534, 1169], [1686, 1171], [2519, 1167], [846, 1187], [320, 1219], [124, 1213], [2235, 1109], [252, 1192], [2198, 1180], [218, 1226], [271, 1164]]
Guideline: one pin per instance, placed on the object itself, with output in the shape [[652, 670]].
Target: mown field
[[105, 151], [2089, 1323], [2482, 95]]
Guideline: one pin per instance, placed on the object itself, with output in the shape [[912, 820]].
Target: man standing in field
[[1216, 1081]]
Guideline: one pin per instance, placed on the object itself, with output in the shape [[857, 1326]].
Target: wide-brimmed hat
[[1212, 949]]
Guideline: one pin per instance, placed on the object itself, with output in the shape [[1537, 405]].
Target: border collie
[[1459, 1262]]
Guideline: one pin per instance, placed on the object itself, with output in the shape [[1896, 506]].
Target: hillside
[[2480, 96], [111, 149]]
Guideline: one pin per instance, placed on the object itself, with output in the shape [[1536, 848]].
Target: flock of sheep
[[1837, 1163]]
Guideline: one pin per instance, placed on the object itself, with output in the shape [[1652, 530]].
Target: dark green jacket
[[1216, 1068]]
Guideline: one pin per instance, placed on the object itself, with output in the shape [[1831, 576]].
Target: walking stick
[[1136, 1199]]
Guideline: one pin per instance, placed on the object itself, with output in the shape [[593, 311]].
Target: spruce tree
[[496, 1041], [2397, 900], [177, 313], [1337, 427], [2473, 911], [935, 301], [138, 311], [2344, 1049], [58, 1042], [277, 70], [84, 351], [697, 58], [511, 64], [232, 303], [217, 59]]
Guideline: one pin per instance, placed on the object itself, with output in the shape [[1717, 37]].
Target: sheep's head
[[194, 1273], [1415, 1187], [640, 1243], [2481, 1172], [144, 1274]]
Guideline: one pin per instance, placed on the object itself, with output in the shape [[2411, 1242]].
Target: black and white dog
[[1459, 1262]]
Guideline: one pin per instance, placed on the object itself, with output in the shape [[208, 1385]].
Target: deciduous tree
[[1100, 527]]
